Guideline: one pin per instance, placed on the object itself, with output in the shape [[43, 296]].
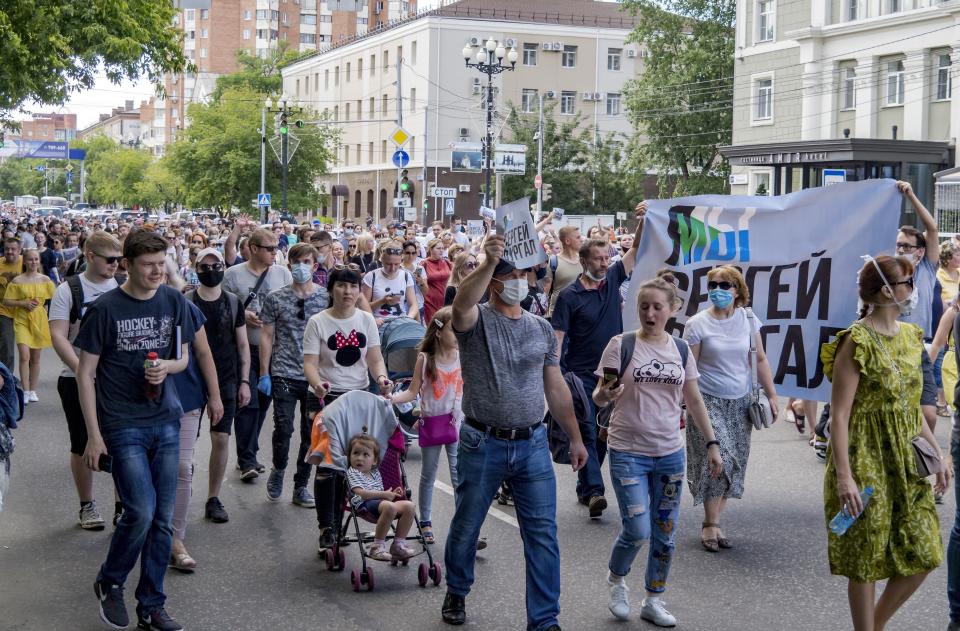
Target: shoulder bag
[[761, 415], [437, 430]]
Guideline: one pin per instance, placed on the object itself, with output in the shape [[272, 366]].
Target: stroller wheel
[[406, 562], [368, 578], [355, 579], [329, 558], [423, 575], [436, 573], [393, 562], [342, 560]]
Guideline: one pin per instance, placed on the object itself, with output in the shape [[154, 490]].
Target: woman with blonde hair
[[462, 266], [453, 251], [365, 257], [720, 339]]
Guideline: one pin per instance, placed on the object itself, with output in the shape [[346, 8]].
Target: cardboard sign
[[475, 229], [521, 244]]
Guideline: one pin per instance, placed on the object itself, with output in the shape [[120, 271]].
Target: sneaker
[[117, 513], [379, 552], [597, 505], [90, 518], [619, 598], [454, 609], [112, 610], [820, 447], [656, 612], [158, 620], [249, 475], [327, 540], [215, 511], [260, 468], [938, 498], [400, 551], [274, 484], [303, 497], [33, 396]]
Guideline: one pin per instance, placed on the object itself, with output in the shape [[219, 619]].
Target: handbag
[[927, 460], [437, 430], [761, 415]]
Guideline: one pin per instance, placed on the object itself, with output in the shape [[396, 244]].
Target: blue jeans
[[953, 547], [648, 492], [483, 463], [428, 474], [286, 394], [590, 477], [145, 462]]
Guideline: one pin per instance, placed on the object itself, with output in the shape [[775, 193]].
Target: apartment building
[[43, 126], [122, 125], [412, 74], [215, 30], [863, 88]]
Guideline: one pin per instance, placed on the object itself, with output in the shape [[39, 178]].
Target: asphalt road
[[261, 570]]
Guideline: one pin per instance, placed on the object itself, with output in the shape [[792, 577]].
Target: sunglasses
[[393, 251], [301, 306], [908, 282], [471, 265], [109, 259], [722, 284], [410, 252], [353, 267], [212, 267], [268, 248]]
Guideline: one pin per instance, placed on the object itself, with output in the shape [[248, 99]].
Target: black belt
[[520, 433]]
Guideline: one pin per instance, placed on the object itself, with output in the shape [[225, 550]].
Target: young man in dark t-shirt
[[133, 417]]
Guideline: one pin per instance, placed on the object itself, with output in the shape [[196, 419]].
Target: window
[[849, 88], [370, 152], [613, 104], [613, 58], [413, 99], [386, 61], [944, 81], [413, 53], [191, 15], [296, 90], [763, 99], [326, 79], [359, 156], [360, 68], [383, 105], [383, 151], [399, 54], [336, 76], [347, 76], [325, 18], [308, 38], [359, 109], [284, 17], [346, 153], [568, 58], [263, 14], [346, 116], [765, 20], [373, 65], [308, 18], [568, 102], [204, 14], [895, 83], [761, 183], [306, 84], [529, 54], [191, 35], [528, 100], [853, 10], [373, 107], [246, 33], [247, 14], [316, 82], [204, 33], [203, 53], [362, 21], [336, 112], [892, 6]]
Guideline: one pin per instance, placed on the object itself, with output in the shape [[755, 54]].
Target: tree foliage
[[113, 176], [260, 74], [160, 188], [682, 101], [20, 177], [51, 48]]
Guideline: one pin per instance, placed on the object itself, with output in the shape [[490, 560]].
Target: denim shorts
[[371, 506]]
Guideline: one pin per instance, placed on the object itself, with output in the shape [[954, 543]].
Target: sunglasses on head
[[719, 284], [110, 260], [393, 251], [353, 267]]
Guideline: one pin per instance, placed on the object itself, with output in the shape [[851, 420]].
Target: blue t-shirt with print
[[190, 385]]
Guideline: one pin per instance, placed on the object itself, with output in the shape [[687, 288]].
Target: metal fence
[[947, 207]]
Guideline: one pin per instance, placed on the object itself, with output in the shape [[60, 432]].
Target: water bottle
[[843, 520], [151, 390]]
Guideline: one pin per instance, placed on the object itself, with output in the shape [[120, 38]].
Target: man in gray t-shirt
[[510, 364]]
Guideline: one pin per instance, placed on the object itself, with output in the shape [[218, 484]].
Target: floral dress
[[899, 532]]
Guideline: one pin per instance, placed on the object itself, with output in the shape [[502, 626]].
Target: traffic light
[[1, 139], [283, 123], [547, 188]]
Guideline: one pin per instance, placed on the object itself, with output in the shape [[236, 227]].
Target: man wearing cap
[[513, 366]]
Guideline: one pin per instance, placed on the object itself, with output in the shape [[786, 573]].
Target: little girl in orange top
[[437, 380], [26, 295]]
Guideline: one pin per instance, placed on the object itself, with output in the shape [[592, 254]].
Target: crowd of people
[[160, 325]]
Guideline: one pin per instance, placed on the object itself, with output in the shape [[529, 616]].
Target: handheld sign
[[521, 245]]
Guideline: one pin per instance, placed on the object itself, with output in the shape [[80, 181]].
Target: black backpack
[[76, 294]]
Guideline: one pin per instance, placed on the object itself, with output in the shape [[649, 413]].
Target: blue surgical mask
[[721, 298], [301, 272]]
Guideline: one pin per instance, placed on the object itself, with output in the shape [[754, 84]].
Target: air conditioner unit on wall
[[631, 53], [476, 81], [510, 42], [476, 89], [475, 41], [550, 94], [558, 45], [463, 131], [597, 96], [546, 46], [587, 96]]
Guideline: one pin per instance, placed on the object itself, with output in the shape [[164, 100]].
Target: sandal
[[427, 531], [710, 545], [943, 410], [801, 422], [183, 562], [723, 542]]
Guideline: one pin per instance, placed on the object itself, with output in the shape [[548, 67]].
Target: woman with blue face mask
[[719, 338]]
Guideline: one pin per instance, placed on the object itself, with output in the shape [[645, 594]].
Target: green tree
[[115, 174], [159, 188], [218, 156], [260, 74], [19, 176], [682, 101], [52, 48], [616, 179]]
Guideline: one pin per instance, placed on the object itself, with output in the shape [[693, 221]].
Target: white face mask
[[514, 291], [905, 307]]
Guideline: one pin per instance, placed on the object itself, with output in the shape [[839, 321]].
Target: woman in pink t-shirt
[[646, 450]]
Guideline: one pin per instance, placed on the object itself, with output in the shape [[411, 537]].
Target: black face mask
[[541, 273], [210, 278]]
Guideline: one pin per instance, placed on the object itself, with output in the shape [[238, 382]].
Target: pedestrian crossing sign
[[263, 199]]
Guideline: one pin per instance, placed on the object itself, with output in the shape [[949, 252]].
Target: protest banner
[[521, 243], [475, 229], [799, 254]]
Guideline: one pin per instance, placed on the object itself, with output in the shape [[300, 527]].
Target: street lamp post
[[284, 108], [489, 60], [267, 105]]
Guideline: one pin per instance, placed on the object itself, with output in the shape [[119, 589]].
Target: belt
[[520, 433]]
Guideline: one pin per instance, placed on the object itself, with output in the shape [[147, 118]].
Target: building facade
[[122, 125], [413, 75], [859, 86], [47, 127]]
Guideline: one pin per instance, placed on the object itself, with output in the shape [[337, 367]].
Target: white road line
[[493, 512]]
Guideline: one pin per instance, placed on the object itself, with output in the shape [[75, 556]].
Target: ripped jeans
[[648, 493]]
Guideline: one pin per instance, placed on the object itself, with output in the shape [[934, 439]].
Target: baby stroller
[[399, 338], [354, 413]]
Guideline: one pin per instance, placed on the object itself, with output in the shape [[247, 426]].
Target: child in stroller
[[369, 496]]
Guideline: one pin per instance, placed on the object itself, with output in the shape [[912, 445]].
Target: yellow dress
[[31, 327]]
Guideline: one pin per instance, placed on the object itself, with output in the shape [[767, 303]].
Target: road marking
[[493, 512]]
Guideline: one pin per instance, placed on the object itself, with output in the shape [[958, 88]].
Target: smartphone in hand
[[611, 376], [105, 463]]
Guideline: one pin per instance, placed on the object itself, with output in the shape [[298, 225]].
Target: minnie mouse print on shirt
[[342, 347]]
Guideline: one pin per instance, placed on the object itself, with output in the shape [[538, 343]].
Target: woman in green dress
[[875, 369]]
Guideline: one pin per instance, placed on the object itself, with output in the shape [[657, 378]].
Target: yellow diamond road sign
[[400, 137]]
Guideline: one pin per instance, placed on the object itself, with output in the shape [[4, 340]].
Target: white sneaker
[[33, 396], [619, 598], [656, 612]]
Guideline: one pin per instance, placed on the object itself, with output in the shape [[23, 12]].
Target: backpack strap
[[76, 297], [627, 345], [554, 263], [684, 350]]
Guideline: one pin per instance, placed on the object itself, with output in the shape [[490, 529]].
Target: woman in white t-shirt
[[389, 289], [341, 349], [645, 447], [719, 339]]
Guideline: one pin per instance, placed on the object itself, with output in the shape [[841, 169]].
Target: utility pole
[[426, 153], [398, 211], [263, 156], [540, 160]]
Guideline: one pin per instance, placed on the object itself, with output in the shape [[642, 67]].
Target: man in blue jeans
[[509, 361], [133, 419]]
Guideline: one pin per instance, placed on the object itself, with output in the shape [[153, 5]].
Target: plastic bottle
[[151, 390], [843, 520]]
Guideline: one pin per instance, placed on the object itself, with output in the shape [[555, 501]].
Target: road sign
[[441, 191], [41, 168], [401, 202], [263, 199], [448, 207], [400, 137], [69, 177], [401, 158], [42, 149], [69, 167], [537, 181], [621, 216], [410, 213], [834, 176]]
